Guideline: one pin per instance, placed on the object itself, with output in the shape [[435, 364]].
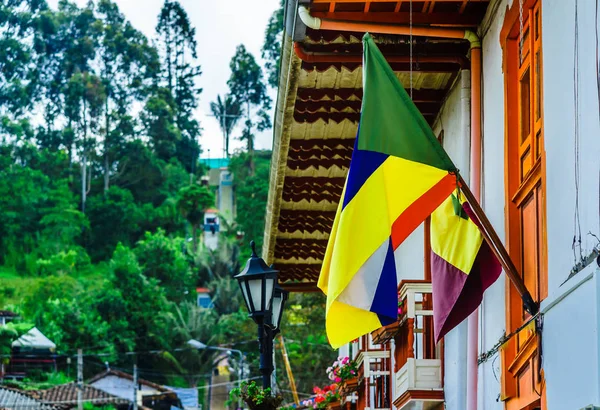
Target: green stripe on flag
[[388, 111]]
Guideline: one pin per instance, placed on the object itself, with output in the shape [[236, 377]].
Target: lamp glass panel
[[276, 310], [270, 286], [245, 293], [256, 293]]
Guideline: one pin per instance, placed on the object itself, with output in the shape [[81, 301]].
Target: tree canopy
[[101, 190]]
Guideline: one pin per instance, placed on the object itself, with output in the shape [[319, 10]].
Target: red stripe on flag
[[421, 209]]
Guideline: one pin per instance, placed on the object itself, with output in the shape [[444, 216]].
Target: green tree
[[251, 190], [8, 334], [143, 300], [309, 353], [228, 112], [223, 262], [178, 48], [161, 258], [85, 100], [127, 62], [18, 65], [193, 200], [159, 124], [247, 85], [113, 219], [271, 49]]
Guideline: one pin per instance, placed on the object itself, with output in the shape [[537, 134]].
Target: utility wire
[[576, 217], [484, 357]]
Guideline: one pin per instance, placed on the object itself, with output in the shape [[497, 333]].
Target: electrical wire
[[576, 217]]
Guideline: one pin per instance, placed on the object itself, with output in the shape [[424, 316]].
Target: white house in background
[[511, 89], [121, 384], [33, 342]]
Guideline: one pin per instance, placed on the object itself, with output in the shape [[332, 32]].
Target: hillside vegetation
[[101, 201]]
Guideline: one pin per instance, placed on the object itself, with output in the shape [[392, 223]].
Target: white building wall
[[409, 256], [492, 319], [457, 143], [571, 344], [558, 32], [570, 336], [455, 125]]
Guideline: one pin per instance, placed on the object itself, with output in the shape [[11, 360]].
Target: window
[[525, 199]]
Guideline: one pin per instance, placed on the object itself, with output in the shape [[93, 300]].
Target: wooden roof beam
[[303, 287], [453, 19], [316, 57], [317, 94]]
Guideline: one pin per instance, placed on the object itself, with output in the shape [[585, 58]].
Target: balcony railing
[[418, 368], [373, 389]]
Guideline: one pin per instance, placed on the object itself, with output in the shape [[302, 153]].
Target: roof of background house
[[64, 396], [14, 399], [7, 313], [123, 375], [34, 338]]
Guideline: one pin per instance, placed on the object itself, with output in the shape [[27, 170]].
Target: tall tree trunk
[[83, 180], [106, 147], [227, 143], [194, 238], [70, 147], [169, 63], [84, 160], [250, 144]]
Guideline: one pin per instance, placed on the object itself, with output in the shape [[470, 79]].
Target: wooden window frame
[[522, 386]]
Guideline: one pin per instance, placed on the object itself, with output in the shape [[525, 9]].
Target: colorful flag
[[399, 174], [463, 265]]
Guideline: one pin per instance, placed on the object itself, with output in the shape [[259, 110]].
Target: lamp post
[[265, 301]]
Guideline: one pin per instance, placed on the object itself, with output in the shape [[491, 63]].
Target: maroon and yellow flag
[[462, 264]]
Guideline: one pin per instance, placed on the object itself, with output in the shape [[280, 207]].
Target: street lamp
[[265, 301], [257, 282]]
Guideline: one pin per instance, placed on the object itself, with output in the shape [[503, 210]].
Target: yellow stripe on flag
[[366, 221], [359, 230], [454, 239], [345, 323]]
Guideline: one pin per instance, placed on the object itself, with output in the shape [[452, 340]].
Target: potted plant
[[327, 397], [344, 372], [255, 397]]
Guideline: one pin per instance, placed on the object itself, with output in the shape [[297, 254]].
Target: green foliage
[[255, 397], [251, 193], [44, 381], [193, 201], [247, 85], [161, 258], [303, 328], [271, 49], [177, 46], [113, 219], [98, 164], [8, 334], [228, 112]]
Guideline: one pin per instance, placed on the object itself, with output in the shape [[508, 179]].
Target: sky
[[221, 25]]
